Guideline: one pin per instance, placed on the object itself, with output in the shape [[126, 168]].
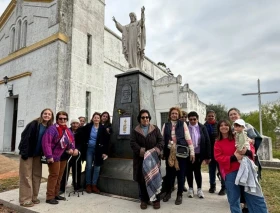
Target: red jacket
[[223, 150]]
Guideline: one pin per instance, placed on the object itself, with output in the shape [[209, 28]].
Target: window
[[13, 33], [89, 51], [18, 35], [88, 103], [24, 34], [163, 117]]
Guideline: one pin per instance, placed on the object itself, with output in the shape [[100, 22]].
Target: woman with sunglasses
[[95, 142], [145, 137], [176, 132], [30, 150], [202, 149], [56, 140], [228, 156]]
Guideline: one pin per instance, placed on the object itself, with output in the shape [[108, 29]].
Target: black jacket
[[102, 142], [29, 139]]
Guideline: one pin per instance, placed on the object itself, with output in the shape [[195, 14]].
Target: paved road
[[212, 203]]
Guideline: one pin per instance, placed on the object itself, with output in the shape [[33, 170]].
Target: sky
[[220, 48]]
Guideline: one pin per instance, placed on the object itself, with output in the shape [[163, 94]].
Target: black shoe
[[52, 201], [212, 188], [222, 191], [166, 197], [185, 189], [245, 210], [178, 200], [58, 197]]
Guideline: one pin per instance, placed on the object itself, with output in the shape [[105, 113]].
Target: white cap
[[75, 120], [241, 122]]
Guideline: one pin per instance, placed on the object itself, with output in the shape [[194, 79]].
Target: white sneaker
[[190, 193], [200, 193]]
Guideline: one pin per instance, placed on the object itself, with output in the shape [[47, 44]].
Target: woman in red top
[[227, 156]]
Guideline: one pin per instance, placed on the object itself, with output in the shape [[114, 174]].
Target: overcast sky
[[219, 47]]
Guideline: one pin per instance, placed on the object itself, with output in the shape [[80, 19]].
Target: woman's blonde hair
[[41, 120], [174, 108]]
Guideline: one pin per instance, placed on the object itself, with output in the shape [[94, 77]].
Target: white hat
[[75, 120], [241, 122]]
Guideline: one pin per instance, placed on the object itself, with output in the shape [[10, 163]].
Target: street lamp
[[9, 86]]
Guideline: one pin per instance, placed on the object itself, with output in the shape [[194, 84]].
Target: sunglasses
[[192, 119], [66, 119], [145, 117]]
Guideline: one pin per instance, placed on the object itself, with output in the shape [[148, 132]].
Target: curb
[[16, 207]]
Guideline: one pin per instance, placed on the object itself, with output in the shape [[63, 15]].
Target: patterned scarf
[[64, 134]]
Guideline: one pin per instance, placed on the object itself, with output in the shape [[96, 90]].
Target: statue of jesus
[[133, 40]]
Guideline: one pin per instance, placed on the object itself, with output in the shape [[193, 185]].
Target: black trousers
[[143, 194], [171, 174], [76, 183], [194, 169]]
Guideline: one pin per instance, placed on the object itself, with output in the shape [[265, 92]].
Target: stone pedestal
[[133, 93]]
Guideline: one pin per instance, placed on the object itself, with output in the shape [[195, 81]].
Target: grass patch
[[9, 184], [276, 153], [271, 189]]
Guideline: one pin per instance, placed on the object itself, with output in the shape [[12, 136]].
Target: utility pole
[[259, 93]]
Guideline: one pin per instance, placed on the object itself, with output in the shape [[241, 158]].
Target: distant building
[[58, 54]]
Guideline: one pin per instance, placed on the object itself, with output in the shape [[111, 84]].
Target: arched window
[[24, 34], [18, 35], [12, 40]]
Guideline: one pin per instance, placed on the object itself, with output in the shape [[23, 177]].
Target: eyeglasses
[[192, 119], [66, 119], [145, 117]]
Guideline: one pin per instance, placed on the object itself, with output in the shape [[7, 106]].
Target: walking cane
[[76, 178], [67, 171]]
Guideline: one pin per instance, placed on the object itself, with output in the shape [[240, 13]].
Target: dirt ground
[[8, 166]]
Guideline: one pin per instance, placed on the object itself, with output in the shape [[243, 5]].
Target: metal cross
[[259, 93]]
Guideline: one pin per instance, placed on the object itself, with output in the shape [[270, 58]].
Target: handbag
[[43, 157], [182, 151]]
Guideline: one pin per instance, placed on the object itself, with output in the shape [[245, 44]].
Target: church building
[[58, 54]]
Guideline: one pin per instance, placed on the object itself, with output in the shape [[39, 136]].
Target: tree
[[220, 110], [161, 64]]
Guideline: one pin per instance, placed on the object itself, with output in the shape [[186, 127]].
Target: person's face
[[224, 128], [104, 118], [47, 115], [62, 120], [174, 116], [82, 121], [238, 128], [183, 118], [210, 117], [75, 125], [132, 18], [96, 119], [193, 120], [145, 121], [233, 115]]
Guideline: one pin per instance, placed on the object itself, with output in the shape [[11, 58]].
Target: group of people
[[216, 143], [56, 142], [183, 142]]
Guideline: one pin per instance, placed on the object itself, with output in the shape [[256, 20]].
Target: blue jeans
[[255, 204], [91, 179], [213, 166]]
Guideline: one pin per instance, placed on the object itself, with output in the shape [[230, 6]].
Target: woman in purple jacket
[[56, 140]]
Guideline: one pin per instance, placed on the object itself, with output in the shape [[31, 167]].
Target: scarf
[[194, 134], [63, 132]]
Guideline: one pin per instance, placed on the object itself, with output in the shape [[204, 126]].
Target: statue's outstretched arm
[[143, 16], [118, 25]]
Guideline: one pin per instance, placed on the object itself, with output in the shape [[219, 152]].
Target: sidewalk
[[212, 203]]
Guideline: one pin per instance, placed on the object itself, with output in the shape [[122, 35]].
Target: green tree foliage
[[270, 119], [220, 110]]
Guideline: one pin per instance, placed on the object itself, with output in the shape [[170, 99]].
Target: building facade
[[57, 54]]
